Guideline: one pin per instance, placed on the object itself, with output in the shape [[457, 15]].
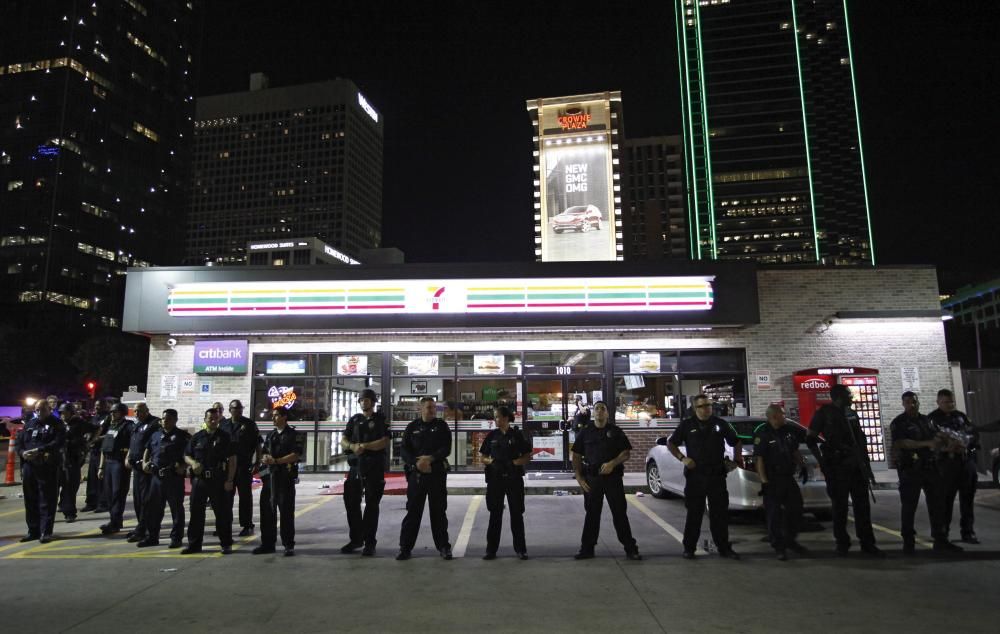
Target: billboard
[[577, 204]]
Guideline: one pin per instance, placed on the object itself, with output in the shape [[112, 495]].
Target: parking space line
[[7, 513], [889, 531], [463, 535], [659, 521]]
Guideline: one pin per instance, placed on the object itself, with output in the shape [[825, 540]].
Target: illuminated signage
[[346, 259], [574, 119], [367, 108], [272, 245], [227, 356], [282, 396], [285, 366], [436, 297]]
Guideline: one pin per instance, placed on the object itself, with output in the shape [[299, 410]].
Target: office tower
[[654, 223]]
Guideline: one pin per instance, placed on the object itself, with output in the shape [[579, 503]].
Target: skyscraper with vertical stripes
[[772, 136]]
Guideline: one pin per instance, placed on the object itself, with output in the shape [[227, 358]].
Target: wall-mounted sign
[[352, 365], [437, 297], [911, 379], [488, 363], [343, 257], [168, 387], [367, 107], [574, 118], [227, 356], [422, 364], [282, 396], [285, 366], [763, 379], [643, 362]]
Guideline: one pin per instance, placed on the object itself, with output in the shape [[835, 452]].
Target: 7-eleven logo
[[437, 294]]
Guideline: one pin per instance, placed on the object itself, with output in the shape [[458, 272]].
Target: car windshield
[[576, 210], [745, 428]]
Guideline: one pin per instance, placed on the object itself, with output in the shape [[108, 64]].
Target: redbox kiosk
[[813, 389]]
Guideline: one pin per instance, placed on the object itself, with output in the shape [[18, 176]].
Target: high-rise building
[[774, 164], [278, 163], [577, 211], [652, 187], [96, 113]]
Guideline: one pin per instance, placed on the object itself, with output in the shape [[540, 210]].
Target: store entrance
[[553, 409]]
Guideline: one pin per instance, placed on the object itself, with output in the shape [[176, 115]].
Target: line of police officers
[[934, 454]]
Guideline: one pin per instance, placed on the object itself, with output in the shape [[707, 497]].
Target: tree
[[114, 361]]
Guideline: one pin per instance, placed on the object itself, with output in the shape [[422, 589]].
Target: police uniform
[[704, 444], [599, 445], [782, 498], [141, 431], [366, 476], [166, 486], [115, 446], [917, 469], [278, 493], [504, 479], [426, 439], [96, 500], [959, 474], [212, 451], [78, 434], [40, 475], [246, 437], [845, 466]]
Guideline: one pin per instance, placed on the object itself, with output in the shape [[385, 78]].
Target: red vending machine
[[813, 389]]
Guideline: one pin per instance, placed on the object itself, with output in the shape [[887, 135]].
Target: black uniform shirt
[[704, 441], [245, 435], [364, 429], [917, 427], [141, 431], [504, 449], [279, 444], [211, 450], [46, 434], [841, 428], [101, 424], [426, 439], [78, 435], [598, 445], [959, 422], [777, 447], [117, 438], [166, 449]]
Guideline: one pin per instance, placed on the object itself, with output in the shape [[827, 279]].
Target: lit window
[[12, 185]]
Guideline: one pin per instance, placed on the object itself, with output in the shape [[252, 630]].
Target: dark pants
[[243, 484], [783, 505], [202, 492], [610, 487], [363, 528], [512, 488], [116, 484], [95, 487], [699, 487], [40, 484], [843, 482], [163, 491], [959, 477], [70, 475], [140, 491], [421, 487], [911, 483], [277, 497]]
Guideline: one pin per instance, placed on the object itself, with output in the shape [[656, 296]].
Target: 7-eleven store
[[545, 338]]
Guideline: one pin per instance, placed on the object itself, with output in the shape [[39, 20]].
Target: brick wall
[[791, 336]]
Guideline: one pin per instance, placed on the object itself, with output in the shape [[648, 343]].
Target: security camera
[[171, 343]]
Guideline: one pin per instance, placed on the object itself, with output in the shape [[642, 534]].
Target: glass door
[[553, 409]]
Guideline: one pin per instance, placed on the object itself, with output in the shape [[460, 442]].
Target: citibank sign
[[226, 356]]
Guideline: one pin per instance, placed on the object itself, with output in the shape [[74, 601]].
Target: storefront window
[[565, 362], [351, 373]]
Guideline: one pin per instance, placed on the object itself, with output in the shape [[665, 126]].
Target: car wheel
[[599, 224], [557, 232], [586, 227], [653, 481]]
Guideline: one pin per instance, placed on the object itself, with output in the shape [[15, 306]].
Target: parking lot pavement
[[82, 582]]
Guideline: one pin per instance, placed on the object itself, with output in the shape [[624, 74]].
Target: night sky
[[451, 79]]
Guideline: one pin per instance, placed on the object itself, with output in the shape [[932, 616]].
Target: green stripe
[[556, 296], [317, 298], [611, 295], [258, 300], [376, 298], [698, 294], [205, 300], [481, 297]]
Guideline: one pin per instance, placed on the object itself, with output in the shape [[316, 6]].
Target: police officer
[[365, 439], [143, 429], [163, 462], [425, 449], [505, 451], [777, 459], [705, 474], [39, 445], [844, 462], [246, 436], [212, 458], [114, 449], [599, 453], [101, 420], [78, 434], [914, 445], [958, 469], [279, 473]]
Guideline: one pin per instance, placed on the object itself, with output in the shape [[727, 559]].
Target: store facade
[[548, 340]]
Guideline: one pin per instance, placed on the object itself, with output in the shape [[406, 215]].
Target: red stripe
[[178, 310], [258, 308], [617, 303], [555, 305], [521, 305], [361, 306], [316, 307], [701, 303]]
